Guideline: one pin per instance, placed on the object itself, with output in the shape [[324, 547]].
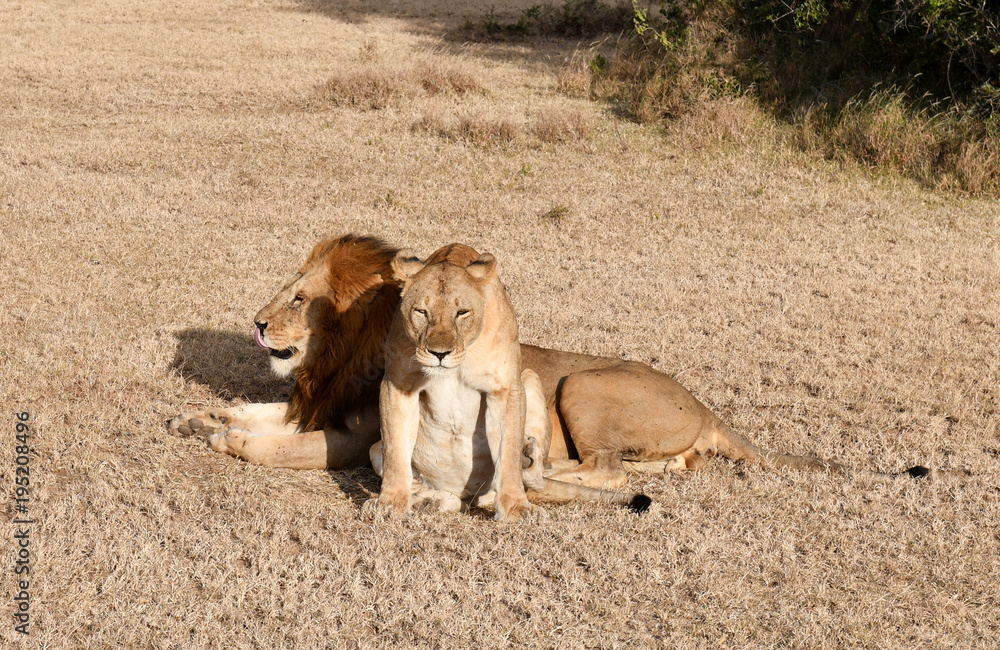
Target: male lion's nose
[[261, 326]]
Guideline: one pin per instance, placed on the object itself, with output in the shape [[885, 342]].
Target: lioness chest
[[452, 452]]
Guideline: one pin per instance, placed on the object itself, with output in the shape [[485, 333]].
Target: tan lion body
[[606, 414], [452, 400]]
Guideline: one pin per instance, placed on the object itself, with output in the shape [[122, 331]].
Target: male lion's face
[[442, 307], [286, 324], [324, 305]]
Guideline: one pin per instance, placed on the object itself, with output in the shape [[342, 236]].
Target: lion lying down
[[327, 327]]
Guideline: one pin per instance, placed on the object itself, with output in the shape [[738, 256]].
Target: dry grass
[[375, 82], [559, 125], [887, 131], [164, 168], [726, 121], [492, 128]]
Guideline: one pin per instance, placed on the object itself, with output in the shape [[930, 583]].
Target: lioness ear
[[406, 264], [484, 268]]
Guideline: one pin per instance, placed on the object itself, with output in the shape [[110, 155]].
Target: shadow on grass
[[230, 364], [530, 34], [425, 16], [358, 485]]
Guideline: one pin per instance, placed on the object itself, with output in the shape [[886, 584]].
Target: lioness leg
[[674, 464], [598, 470], [399, 413], [505, 414]]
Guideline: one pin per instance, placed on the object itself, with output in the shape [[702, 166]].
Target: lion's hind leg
[[598, 470], [674, 464]]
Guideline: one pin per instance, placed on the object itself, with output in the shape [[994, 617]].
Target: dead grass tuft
[[485, 129], [886, 130], [562, 125], [371, 88], [722, 121], [433, 122], [436, 78], [490, 128], [481, 128], [575, 79], [375, 84]]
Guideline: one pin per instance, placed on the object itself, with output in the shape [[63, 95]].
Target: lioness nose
[[261, 326], [440, 355]]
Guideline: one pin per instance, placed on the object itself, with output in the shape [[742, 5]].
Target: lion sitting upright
[[454, 396], [452, 399]]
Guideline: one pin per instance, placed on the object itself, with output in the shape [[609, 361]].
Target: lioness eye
[[298, 299], [421, 312], [463, 312]]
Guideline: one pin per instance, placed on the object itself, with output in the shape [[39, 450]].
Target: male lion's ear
[[406, 264], [484, 268]]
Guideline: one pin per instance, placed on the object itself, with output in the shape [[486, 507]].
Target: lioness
[[453, 397], [327, 326]]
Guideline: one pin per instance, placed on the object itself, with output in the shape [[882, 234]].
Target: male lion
[[328, 325]]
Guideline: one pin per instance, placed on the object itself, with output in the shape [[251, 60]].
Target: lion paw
[[438, 501], [382, 506], [522, 511], [532, 466], [229, 441], [204, 423]]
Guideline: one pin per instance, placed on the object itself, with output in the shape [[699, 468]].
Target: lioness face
[[443, 302], [443, 312]]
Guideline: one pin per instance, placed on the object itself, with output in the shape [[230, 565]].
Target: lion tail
[[735, 447], [560, 492]]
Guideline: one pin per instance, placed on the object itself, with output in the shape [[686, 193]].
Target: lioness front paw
[[520, 510], [437, 501], [395, 507], [203, 423]]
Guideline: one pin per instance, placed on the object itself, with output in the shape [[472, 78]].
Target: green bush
[[912, 85], [948, 48], [803, 51]]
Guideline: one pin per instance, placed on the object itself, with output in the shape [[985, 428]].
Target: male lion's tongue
[[257, 336]]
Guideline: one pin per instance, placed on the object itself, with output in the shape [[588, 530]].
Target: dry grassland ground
[[165, 166]]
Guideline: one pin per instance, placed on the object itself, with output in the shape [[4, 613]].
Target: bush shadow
[[231, 365], [532, 34]]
